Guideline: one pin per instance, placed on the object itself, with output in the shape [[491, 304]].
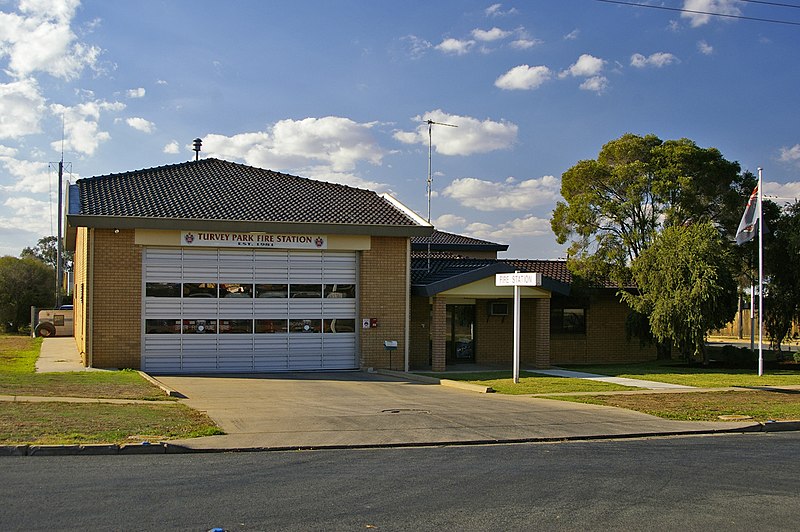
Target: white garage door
[[220, 310]]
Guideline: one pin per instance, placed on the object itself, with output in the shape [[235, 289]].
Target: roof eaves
[[459, 279]]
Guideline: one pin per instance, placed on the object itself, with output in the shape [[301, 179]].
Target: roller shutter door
[[221, 310]]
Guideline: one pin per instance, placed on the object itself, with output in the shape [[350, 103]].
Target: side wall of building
[[80, 300], [494, 335], [604, 341], [384, 271], [116, 301]]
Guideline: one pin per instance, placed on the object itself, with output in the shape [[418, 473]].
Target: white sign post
[[516, 280]]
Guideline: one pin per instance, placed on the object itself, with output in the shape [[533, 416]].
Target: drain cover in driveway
[[404, 411]]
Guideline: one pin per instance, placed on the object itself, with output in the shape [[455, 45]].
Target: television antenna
[[431, 123]]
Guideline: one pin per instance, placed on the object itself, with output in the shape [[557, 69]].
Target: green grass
[[54, 422], [704, 406], [18, 356], [82, 423], [530, 383], [672, 372]]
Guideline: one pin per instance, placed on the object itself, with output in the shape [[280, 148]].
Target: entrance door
[[461, 334]]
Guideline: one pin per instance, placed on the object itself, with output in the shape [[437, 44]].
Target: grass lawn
[[72, 423], [704, 406], [81, 423], [672, 372], [529, 383]]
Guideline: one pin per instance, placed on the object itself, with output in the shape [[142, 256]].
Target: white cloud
[[529, 226], [471, 136], [31, 176], [140, 124], [722, 7], [455, 46], [496, 10], [417, 46], [82, 125], [21, 108], [136, 93], [705, 48], [508, 195], [449, 221], [161, 82], [494, 34], [323, 148], [571, 36], [657, 60], [172, 148], [39, 39], [524, 44], [27, 215], [595, 84], [524, 77], [586, 66], [790, 155], [782, 192]]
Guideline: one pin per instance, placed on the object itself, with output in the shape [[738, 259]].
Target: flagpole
[[760, 274]]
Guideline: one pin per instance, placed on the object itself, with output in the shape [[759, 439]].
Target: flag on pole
[[748, 227]]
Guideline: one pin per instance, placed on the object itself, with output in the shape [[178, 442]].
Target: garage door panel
[[258, 340]]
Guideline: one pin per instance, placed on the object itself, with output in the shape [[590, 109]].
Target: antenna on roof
[[197, 144], [431, 123]]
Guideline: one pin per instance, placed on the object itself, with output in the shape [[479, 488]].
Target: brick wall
[[604, 341], [494, 335], [419, 338], [116, 300], [383, 295], [79, 298]]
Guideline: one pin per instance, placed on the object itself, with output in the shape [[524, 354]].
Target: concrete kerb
[[155, 382], [433, 380]]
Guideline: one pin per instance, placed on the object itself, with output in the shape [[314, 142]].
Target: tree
[[686, 286], [615, 206], [23, 283], [782, 263]]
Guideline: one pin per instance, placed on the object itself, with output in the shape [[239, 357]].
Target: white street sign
[[518, 279]]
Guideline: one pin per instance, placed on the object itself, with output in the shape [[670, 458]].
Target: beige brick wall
[[117, 300], [79, 298], [383, 295], [604, 341]]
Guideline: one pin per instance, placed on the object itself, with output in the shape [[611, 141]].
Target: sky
[[341, 91]]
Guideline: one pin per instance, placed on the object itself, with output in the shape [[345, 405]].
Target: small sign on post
[[517, 280]]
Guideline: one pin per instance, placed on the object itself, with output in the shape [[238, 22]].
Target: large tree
[[23, 283], [686, 285], [47, 252], [782, 263], [616, 205]]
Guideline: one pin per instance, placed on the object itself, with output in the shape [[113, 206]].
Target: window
[[235, 326], [162, 326], [235, 290], [305, 290], [162, 290], [340, 290], [200, 290], [305, 326], [340, 326], [199, 326], [272, 290], [271, 326], [568, 320]]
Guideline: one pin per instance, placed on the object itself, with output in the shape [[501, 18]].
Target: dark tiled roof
[[443, 241], [212, 189]]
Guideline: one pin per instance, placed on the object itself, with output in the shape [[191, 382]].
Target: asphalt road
[[727, 482]]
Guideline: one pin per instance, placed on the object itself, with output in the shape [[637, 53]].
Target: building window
[[568, 320], [199, 289], [340, 291], [307, 291], [272, 290], [162, 326], [162, 290], [340, 326], [271, 326], [199, 326], [235, 326], [235, 290], [305, 326]]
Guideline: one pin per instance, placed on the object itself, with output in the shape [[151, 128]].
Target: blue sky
[[339, 91]]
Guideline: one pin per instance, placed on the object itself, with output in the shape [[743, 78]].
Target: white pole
[[516, 331], [760, 274]]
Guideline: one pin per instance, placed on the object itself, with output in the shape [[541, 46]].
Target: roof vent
[[197, 143]]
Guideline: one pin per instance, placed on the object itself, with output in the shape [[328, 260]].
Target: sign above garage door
[[253, 240]]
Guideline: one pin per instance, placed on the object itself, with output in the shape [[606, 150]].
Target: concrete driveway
[[313, 410]]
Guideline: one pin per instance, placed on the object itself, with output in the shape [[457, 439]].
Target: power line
[[681, 10]]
